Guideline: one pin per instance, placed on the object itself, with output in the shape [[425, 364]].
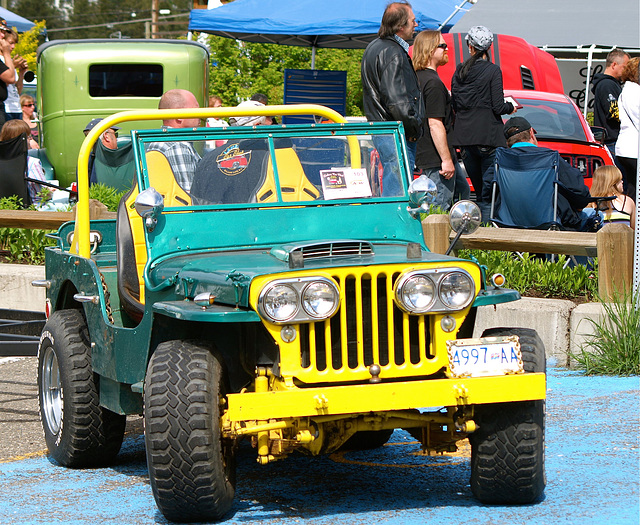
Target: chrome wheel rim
[[51, 391]]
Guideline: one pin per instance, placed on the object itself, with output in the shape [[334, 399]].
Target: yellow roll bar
[[81, 243]]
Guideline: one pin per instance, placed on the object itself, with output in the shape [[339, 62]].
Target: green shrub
[[106, 195], [614, 347], [22, 245], [538, 277]]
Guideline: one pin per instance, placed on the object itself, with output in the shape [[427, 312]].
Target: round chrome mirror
[[149, 204], [422, 191], [465, 217]]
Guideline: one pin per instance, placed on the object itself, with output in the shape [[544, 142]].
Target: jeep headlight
[[456, 290], [320, 299], [299, 300], [415, 293], [434, 290], [280, 303]]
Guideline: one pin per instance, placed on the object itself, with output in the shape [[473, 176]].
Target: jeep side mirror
[[600, 134], [465, 218], [149, 204], [422, 192]]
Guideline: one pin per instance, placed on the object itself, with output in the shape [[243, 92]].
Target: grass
[[536, 277], [614, 346]]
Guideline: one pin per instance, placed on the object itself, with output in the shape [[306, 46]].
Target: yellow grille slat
[[359, 327], [422, 341], [391, 336], [374, 320], [312, 346], [344, 339], [406, 350]]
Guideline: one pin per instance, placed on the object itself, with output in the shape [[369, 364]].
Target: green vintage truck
[[286, 297], [79, 80]]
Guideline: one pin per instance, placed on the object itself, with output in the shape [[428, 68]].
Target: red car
[[559, 125]]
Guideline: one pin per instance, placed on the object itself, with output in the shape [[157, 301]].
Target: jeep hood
[[228, 274]]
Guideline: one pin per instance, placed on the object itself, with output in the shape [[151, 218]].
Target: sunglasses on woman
[[28, 105]]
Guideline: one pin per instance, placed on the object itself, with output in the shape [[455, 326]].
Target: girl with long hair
[[607, 181]]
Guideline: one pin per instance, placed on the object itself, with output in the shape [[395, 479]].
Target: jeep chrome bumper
[[382, 397]]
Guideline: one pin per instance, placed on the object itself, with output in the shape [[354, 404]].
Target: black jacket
[[390, 89], [573, 194], [606, 91], [478, 102]]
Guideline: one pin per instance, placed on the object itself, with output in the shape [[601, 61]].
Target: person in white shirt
[[12, 102], [629, 112]]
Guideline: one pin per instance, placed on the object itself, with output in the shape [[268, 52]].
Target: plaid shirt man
[[182, 158]]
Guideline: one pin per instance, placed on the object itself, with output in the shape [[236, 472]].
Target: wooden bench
[[613, 245]]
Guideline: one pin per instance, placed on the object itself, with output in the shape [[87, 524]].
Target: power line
[[111, 24]]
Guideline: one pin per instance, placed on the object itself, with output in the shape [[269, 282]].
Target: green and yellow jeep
[[285, 297]]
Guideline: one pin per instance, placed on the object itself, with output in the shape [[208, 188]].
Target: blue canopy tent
[[21, 24], [344, 24]]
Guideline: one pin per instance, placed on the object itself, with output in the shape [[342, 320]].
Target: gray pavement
[[592, 469]]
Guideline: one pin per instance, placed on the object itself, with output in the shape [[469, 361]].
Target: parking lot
[[592, 469]]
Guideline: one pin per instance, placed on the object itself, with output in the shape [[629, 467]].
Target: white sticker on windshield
[[345, 183]]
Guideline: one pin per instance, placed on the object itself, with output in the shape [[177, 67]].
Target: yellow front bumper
[[383, 397]]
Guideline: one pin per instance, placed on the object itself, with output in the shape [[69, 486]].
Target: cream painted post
[[436, 230], [615, 260]]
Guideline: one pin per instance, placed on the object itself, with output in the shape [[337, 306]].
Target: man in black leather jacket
[[390, 88]]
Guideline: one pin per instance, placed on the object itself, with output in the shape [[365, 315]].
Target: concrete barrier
[[16, 292], [563, 326], [549, 317]]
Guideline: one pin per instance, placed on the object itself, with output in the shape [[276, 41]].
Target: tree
[[39, 10], [28, 44], [240, 69]]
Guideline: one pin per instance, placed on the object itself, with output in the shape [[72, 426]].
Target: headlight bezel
[[300, 285], [437, 276]]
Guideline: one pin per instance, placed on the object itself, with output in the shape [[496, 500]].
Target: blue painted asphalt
[[592, 468]]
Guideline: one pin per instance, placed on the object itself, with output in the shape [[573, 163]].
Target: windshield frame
[[141, 138]]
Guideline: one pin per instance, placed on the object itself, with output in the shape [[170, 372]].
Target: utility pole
[[154, 18]]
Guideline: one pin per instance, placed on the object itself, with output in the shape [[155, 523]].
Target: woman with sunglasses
[[434, 154], [28, 108]]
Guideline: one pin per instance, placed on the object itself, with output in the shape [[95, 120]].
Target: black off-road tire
[[507, 450], [367, 440], [191, 468], [533, 355], [77, 430]]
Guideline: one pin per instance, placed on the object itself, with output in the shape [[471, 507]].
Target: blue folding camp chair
[[525, 190]]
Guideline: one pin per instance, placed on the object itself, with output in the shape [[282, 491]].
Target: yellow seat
[[294, 184], [131, 239]]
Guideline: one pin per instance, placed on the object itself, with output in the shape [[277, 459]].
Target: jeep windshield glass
[[552, 120], [283, 168]]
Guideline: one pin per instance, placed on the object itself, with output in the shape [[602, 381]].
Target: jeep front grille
[[368, 328]]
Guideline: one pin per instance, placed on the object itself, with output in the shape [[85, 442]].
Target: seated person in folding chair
[[11, 130], [573, 194], [108, 140]]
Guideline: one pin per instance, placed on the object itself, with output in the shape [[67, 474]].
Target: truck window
[[125, 80]]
